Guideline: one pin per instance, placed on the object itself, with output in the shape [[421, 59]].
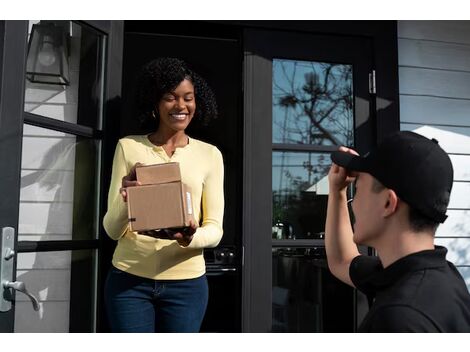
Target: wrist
[[337, 193]]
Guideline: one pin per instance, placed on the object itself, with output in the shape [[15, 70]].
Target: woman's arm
[[115, 221], [210, 233]]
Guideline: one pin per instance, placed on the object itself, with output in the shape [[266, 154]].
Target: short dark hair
[[163, 75], [418, 221]]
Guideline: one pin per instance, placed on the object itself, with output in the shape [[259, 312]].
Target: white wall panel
[[47, 185], [437, 55], [460, 195], [62, 112], [456, 225], [431, 110], [48, 153], [461, 164], [446, 31], [44, 260], [44, 218], [33, 131], [434, 72], [465, 272], [458, 249], [52, 317], [45, 284], [422, 81]]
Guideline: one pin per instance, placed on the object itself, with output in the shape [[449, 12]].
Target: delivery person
[[402, 190]]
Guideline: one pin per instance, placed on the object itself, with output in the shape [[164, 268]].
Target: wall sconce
[[47, 60]]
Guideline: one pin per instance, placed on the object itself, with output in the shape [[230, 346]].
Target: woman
[[157, 282]]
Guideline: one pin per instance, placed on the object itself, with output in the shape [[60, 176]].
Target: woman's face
[[176, 108]]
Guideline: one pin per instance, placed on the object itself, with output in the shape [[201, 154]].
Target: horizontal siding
[[45, 260], [456, 225], [436, 55], [461, 164], [430, 110], [45, 218], [47, 186], [46, 284], [460, 196], [434, 72], [444, 31], [53, 317], [430, 82], [465, 272], [458, 249]]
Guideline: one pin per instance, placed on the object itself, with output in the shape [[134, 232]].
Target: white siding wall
[[434, 72]]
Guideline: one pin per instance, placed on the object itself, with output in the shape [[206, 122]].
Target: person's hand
[[183, 236], [339, 178], [130, 180]]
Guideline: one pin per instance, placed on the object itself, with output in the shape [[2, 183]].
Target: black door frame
[[14, 40], [257, 283], [13, 45]]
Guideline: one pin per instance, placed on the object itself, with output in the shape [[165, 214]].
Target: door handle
[[21, 287], [7, 258]]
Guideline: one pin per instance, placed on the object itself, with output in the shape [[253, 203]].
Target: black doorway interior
[[219, 60]]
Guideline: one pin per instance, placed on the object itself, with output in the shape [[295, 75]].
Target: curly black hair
[[163, 75]]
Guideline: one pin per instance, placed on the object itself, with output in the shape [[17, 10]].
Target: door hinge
[[372, 86]]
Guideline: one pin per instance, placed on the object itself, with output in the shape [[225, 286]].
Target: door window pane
[[64, 284], [59, 188], [306, 296], [65, 71], [312, 103], [300, 194]]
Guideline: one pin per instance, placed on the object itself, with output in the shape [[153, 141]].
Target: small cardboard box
[[158, 173], [163, 201]]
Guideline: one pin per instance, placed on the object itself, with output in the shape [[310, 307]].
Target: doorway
[[215, 53]]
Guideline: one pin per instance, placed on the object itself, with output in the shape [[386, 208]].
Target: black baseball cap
[[415, 167]]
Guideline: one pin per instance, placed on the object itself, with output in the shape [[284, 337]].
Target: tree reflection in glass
[[312, 103]]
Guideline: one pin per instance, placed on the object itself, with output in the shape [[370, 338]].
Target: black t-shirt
[[421, 292]]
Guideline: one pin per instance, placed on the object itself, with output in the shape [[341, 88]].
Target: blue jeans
[[137, 304]]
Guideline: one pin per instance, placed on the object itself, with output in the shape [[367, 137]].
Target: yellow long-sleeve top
[[202, 169]]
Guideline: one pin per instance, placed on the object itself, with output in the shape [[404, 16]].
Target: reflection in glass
[[83, 52], [312, 103], [58, 197], [300, 194], [306, 297], [63, 283]]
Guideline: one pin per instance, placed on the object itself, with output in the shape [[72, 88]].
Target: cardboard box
[[163, 201], [158, 173]]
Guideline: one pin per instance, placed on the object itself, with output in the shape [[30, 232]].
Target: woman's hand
[[183, 236], [130, 180], [339, 178]]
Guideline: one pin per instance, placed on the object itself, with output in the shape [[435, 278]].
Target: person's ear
[[391, 203]]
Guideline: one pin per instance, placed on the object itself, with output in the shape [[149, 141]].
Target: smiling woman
[[157, 282]]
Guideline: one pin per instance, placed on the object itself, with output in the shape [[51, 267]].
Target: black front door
[[305, 95]]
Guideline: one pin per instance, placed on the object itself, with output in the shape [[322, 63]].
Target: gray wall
[[434, 73]]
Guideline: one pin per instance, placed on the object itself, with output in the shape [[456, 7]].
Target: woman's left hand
[[183, 236]]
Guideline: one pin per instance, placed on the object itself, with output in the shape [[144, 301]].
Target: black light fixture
[[48, 56]]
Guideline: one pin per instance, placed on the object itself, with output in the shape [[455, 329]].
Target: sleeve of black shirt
[[362, 271], [399, 318]]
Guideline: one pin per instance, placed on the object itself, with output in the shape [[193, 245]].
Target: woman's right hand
[[130, 180]]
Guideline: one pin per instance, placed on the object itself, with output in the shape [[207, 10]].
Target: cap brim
[[349, 161]]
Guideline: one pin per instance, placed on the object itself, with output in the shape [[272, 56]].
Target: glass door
[[309, 95], [56, 149]]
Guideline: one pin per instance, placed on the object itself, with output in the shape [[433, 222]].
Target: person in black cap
[[402, 189]]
